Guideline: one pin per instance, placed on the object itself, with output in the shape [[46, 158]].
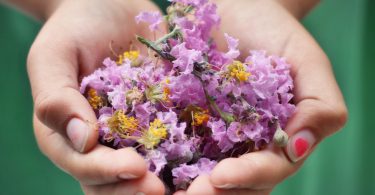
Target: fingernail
[[78, 132], [140, 193], [127, 176], [300, 144], [226, 186]]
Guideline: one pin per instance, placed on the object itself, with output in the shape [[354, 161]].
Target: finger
[[312, 121], [202, 185], [149, 184], [321, 110], [53, 72], [180, 192], [258, 170], [102, 165]]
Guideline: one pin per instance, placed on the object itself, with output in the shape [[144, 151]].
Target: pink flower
[[185, 58], [153, 18], [233, 52]]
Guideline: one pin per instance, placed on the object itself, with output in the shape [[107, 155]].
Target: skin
[[74, 41], [39, 9], [71, 44], [268, 25]]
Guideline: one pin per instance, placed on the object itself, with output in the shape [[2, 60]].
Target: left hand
[[321, 111], [71, 45]]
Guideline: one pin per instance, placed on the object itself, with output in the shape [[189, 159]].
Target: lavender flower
[[153, 18], [194, 105]]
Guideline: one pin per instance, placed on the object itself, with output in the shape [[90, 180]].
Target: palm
[[71, 45], [89, 33], [266, 25]]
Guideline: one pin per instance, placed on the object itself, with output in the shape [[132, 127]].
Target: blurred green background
[[343, 164]]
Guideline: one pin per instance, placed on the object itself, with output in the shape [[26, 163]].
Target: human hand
[[72, 44], [321, 111]]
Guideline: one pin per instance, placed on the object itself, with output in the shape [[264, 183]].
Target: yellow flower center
[[155, 133], [94, 99], [166, 90], [237, 70], [167, 80], [130, 55], [158, 93], [134, 95], [166, 93], [200, 118], [157, 129], [121, 124]]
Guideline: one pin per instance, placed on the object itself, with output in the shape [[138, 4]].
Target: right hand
[[72, 44]]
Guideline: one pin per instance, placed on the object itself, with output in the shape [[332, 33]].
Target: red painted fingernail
[[300, 144]]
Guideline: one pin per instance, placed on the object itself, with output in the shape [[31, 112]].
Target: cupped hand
[[321, 111], [72, 44]]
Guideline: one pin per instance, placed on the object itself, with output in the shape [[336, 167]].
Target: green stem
[[227, 117], [155, 48], [155, 45], [174, 32]]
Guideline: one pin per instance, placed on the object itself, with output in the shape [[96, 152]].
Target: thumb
[[67, 111], [320, 111], [53, 72], [312, 122]]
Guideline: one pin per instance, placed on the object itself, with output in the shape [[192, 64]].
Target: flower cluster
[[190, 105]]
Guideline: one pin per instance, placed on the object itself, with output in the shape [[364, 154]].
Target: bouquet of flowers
[[186, 105]]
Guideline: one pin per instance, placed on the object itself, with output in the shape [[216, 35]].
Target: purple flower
[[153, 18], [156, 161], [216, 58], [219, 134], [235, 132], [184, 174], [153, 104], [185, 90], [206, 165], [196, 3], [185, 58], [117, 97], [208, 18], [180, 151], [192, 34], [143, 113], [233, 52], [176, 130]]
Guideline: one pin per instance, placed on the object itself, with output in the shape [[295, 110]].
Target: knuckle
[[80, 174], [94, 173], [342, 115], [339, 115], [83, 174], [51, 109], [42, 102], [39, 139], [32, 55]]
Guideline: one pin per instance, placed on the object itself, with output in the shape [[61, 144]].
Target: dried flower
[[152, 137], [195, 106], [122, 124]]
